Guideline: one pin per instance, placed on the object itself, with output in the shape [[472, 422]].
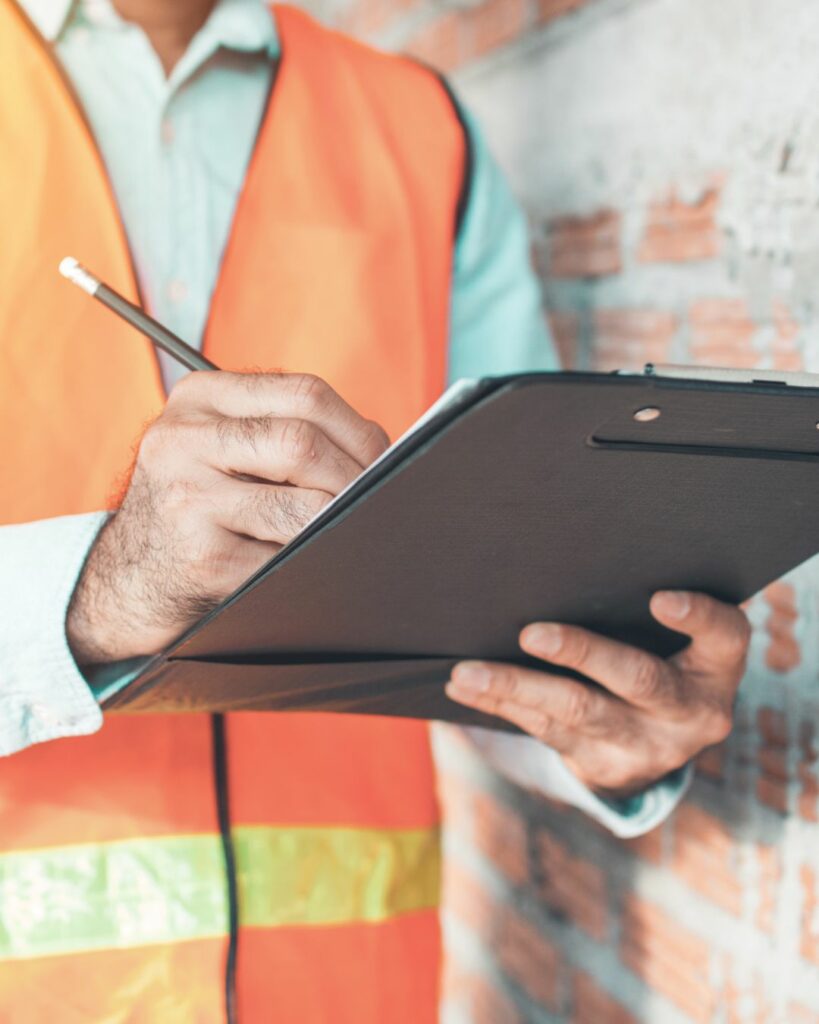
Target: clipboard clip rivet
[[646, 415]]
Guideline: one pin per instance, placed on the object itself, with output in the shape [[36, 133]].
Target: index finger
[[299, 396], [635, 676]]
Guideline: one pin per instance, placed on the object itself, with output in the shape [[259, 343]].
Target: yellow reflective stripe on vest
[[137, 892]]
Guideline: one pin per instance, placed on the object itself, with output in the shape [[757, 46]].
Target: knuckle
[[578, 707], [298, 440], [282, 514], [737, 641], [314, 504], [226, 430], [504, 683], [377, 440], [533, 721], [157, 442], [618, 770], [540, 725], [719, 725], [310, 391], [189, 386], [255, 381], [645, 679], [266, 514], [179, 496], [576, 648], [293, 513], [248, 431]]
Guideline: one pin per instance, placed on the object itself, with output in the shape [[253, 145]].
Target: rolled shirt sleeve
[[531, 764], [43, 695]]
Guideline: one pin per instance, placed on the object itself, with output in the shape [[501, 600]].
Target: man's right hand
[[232, 470]]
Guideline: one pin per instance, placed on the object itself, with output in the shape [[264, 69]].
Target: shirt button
[[177, 291], [167, 131]]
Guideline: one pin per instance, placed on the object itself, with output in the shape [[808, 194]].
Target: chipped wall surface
[[642, 98], [667, 153]]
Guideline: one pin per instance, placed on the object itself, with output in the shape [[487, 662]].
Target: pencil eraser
[[77, 274]]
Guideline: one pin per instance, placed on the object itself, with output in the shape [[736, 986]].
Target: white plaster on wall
[[672, 91]]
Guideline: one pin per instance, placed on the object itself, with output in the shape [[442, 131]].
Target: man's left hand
[[645, 717]]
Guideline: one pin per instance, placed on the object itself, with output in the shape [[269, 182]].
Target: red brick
[[628, 338], [772, 785], [493, 827], [466, 899], [365, 17], [783, 654], [769, 867], [550, 10], [773, 727], [572, 886], [705, 857], [809, 946], [476, 997], [798, 1014], [721, 333], [585, 246], [809, 782], [565, 328], [528, 958], [525, 956], [373, 15], [711, 762], [774, 762], [745, 1003], [455, 795], [439, 43], [649, 846], [592, 1005], [677, 232], [668, 957], [492, 24], [500, 833], [787, 353], [773, 793], [808, 806]]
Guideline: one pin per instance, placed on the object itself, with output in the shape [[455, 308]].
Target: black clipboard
[[567, 497]]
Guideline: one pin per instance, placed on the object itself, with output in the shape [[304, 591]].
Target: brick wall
[[667, 153]]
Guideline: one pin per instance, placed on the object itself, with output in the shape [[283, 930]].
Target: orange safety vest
[[112, 884]]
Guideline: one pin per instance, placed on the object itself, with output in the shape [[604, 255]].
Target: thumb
[[720, 632]]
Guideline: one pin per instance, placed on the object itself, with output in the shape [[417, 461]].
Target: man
[[332, 232]]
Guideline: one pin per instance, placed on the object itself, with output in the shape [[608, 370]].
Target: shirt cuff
[[43, 695], [535, 766]]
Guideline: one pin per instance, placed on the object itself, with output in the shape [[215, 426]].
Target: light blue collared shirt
[[176, 150]]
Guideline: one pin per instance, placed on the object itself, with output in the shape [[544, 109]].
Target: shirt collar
[[234, 24], [48, 16]]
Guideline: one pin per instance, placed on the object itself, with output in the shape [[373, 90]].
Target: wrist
[[99, 627]]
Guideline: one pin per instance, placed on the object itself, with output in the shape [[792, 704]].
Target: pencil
[[136, 317]]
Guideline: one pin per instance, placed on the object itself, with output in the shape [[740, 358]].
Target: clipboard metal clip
[[726, 375]]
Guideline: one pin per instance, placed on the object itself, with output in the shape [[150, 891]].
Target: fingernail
[[471, 675], [544, 638], [674, 603]]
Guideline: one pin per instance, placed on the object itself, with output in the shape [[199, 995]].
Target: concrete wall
[[667, 152]]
